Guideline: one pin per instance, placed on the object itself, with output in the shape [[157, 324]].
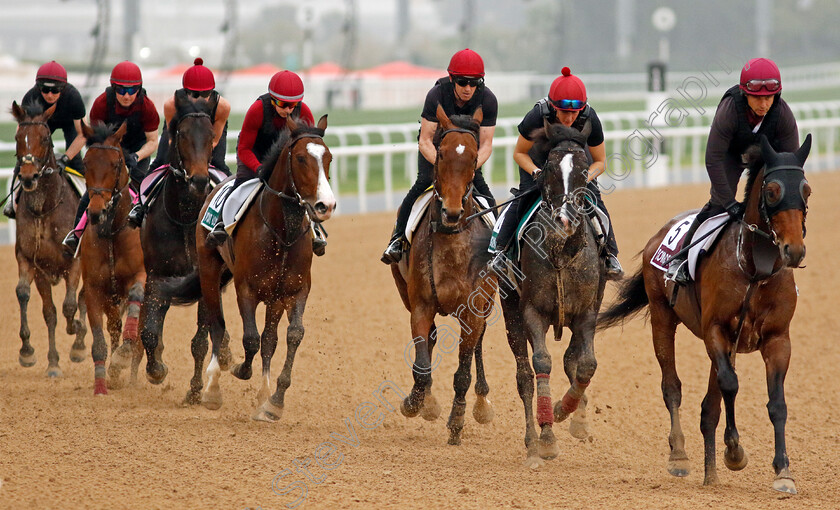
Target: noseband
[[39, 162]]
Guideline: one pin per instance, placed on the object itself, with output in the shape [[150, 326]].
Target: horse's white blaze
[[566, 168], [324, 193], [460, 149]]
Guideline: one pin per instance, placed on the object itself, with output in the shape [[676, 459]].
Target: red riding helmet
[[466, 63], [126, 74], [199, 77], [51, 72], [567, 91], [286, 86], [761, 77]]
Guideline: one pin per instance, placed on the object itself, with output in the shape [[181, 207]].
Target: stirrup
[[319, 244], [498, 264], [677, 272], [135, 216], [217, 236], [70, 244], [393, 253], [613, 267]]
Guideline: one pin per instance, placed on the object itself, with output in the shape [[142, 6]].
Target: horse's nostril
[[320, 208]]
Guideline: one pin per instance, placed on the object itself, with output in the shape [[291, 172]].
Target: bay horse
[[562, 286], [444, 274], [112, 259], [270, 261], [46, 209], [167, 235], [743, 300]]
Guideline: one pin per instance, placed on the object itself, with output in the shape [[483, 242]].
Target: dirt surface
[[139, 448]]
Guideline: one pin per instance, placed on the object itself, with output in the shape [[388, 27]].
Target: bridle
[[39, 162], [177, 171], [467, 193], [570, 197], [295, 196], [116, 191]]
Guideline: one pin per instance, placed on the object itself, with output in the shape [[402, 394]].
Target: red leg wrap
[[545, 414], [570, 403], [130, 331]]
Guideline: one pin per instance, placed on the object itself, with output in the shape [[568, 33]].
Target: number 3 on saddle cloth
[[422, 203]]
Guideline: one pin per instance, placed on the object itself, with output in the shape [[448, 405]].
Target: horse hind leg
[[268, 344], [580, 364], [461, 381], [482, 409], [77, 351], [51, 318], [198, 348], [250, 335], [422, 323], [152, 317], [120, 354], [127, 354], [23, 290]]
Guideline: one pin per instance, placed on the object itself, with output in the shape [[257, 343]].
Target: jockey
[[263, 123], [567, 104], [51, 88], [461, 93], [124, 101], [748, 110], [198, 82]]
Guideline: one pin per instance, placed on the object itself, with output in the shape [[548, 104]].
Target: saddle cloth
[[151, 181], [422, 203], [674, 239], [76, 180], [235, 203], [525, 221]]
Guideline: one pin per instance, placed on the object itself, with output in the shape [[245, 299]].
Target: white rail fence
[[373, 164]]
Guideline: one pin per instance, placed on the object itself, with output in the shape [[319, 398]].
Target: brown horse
[[46, 208], [270, 259], [112, 260], [743, 300], [168, 235], [443, 274]]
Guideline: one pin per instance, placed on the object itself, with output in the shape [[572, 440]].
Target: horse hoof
[[559, 413], [454, 438], [431, 409], [407, 410], [268, 412], [156, 373], [192, 398], [483, 411], [99, 387], [212, 400], [240, 372], [121, 358], [53, 372], [533, 462], [78, 355], [579, 428], [678, 467], [27, 361], [548, 448], [735, 460], [784, 482], [263, 395]]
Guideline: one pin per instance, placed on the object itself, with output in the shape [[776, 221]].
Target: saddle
[[422, 203], [76, 180], [675, 238], [233, 204]]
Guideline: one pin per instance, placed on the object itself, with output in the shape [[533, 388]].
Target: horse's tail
[[632, 298], [186, 290]]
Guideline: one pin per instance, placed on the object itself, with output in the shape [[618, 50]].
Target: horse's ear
[[802, 152], [322, 122], [17, 112], [180, 101], [768, 154], [478, 116], [121, 131], [291, 123], [87, 131], [49, 111], [587, 130], [547, 126], [443, 120]]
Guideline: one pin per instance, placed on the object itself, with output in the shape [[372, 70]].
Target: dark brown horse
[[443, 274], [168, 235], [46, 209], [112, 260], [562, 285], [270, 259], [743, 300]]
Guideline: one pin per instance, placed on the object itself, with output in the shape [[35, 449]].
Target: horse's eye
[[805, 190], [301, 159], [773, 192]]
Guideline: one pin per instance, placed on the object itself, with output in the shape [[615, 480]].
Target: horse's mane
[[466, 122], [101, 132], [200, 105], [547, 138], [276, 149], [31, 109], [754, 165]]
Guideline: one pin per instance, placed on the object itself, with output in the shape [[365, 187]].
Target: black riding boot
[[11, 200]]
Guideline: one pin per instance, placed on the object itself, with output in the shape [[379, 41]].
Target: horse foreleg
[[131, 331], [210, 268], [23, 290], [709, 418], [776, 354], [663, 324], [250, 333], [518, 342], [268, 344], [198, 349], [579, 364], [482, 409], [77, 351], [537, 326], [51, 318], [152, 315], [120, 354], [422, 319], [734, 457], [463, 376], [431, 408], [70, 305], [98, 347], [272, 408]]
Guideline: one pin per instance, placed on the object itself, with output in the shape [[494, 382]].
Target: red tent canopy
[[176, 70], [326, 68], [264, 68]]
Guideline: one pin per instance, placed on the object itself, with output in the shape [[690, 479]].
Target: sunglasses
[[284, 104], [472, 82], [51, 90], [122, 90], [771, 85], [569, 104], [199, 93]]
